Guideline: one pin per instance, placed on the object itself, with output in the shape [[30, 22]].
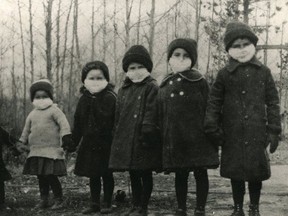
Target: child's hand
[[273, 140], [68, 144], [21, 147], [15, 151]]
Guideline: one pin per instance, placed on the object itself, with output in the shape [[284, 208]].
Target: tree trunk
[[24, 60], [152, 29], [104, 32], [115, 43], [48, 25], [65, 48], [58, 48], [93, 32], [138, 23], [246, 11], [76, 33], [127, 24], [31, 41]]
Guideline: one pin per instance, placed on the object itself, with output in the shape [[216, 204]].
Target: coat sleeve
[[150, 112], [26, 130], [5, 138], [62, 121], [77, 132], [272, 105], [214, 105], [205, 91]]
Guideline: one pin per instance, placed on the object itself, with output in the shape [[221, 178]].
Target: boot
[[199, 211], [94, 207], [181, 212], [43, 203], [58, 204], [254, 210], [132, 211], [238, 210], [107, 209]]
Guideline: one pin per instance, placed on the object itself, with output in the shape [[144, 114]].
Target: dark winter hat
[[95, 65], [235, 30], [187, 44], [42, 84], [137, 54]]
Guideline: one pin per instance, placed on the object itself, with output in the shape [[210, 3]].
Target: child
[[182, 104], [135, 147], [5, 139], [243, 111], [44, 127], [93, 123]]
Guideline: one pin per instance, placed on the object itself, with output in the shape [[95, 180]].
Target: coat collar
[[192, 75], [232, 64], [127, 82]]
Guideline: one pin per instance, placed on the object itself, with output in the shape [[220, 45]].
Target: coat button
[[172, 95], [246, 117], [171, 82], [179, 79], [135, 116], [243, 92], [246, 143], [181, 93], [139, 97]]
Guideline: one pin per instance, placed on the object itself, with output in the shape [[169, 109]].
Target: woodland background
[[55, 38]]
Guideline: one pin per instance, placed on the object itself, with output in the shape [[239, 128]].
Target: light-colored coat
[[43, 131]]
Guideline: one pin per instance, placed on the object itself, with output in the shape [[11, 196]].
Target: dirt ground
[[23, 194]]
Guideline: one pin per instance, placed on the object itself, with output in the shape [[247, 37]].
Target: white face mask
[[95, 86], [42, 103], [243, 55], [180, 65], [137, 75]]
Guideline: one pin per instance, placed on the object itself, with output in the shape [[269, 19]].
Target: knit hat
[[235, 30], [95, 65], [189, 45], [137, 54], [42, 84]]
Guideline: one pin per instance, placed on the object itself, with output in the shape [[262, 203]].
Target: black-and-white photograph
[[144, 107]]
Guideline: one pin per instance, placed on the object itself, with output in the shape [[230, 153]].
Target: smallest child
[[46, 128]]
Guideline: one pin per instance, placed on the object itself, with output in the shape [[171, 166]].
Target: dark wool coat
[[93, 124], [4, 140], [136, 106], [182, 104], [244, 101]]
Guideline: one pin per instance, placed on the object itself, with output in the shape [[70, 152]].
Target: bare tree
[[93, 32], [115, 59], [65, 48], [138, 23], [127, 24], [31, 41], [246, 10], [58, 48], [152, 28], [48, 25], [23, 58], [75, 32], [104, 31]]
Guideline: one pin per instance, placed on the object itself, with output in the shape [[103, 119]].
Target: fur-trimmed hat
[[137, 54], [235, 30], [42, 84], [187, 44], [95, 65]]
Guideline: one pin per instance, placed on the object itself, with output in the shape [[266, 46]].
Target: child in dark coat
[[5, 139], [45, 132], [182, 103], [135, 147], [93, 124], [243, 113]]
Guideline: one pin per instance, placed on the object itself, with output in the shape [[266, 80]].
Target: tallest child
[[244, 102]]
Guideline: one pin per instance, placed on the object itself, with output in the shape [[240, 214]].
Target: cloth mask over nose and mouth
[[180, 65], [244, 54], [137, 75], [95, 86], [42, 103]]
